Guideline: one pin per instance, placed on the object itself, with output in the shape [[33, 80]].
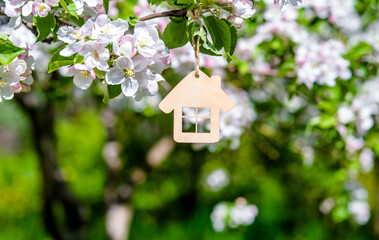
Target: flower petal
[[17, 66], [83, 81], [124, 63], [115, 76], [11, 78], [129, 87]]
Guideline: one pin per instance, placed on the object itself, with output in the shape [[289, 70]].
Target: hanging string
[[196, 46]]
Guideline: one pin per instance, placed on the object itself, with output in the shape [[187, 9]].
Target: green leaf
[[58, 61], [224, 32], [112, 92], [133, 20], [234, 39], [8, 51], [45, 26], [70, 7], [207, 2], [210, 23], [106, 5], [206, 46], [79, 21], [186, 2], [175, 35]]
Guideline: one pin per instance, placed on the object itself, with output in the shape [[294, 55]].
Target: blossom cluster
[[233, 215], [16, 76], [137, 59], [322, 63], [240, 10], [16, 9], [345, 17], [363, 108]]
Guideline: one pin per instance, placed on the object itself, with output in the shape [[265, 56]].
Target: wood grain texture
[[197, 92]]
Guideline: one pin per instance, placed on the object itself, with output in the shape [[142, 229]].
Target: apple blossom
[[95, 54], [83, 75], [107, 30], [243, 8], [40, 9], [123, 73], [146, 39], [125, 46], [74, 38]]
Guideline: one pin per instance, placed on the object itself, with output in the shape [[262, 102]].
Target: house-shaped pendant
[[197, 100]]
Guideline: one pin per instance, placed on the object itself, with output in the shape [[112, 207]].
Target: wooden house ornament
[[203, 98]]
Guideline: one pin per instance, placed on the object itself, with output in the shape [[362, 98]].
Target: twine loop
[[196, 45]]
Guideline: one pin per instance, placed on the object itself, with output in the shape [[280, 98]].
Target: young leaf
[[70, 7], [112, 92], [58, 61], [185, 1], [45, 26], [8, 51], [175, 35], [106, 5], [133, 20]]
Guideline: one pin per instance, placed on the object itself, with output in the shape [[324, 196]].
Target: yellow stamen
[[2, 84], [84, 74], [78, 36], [129, 73], [143, 42]]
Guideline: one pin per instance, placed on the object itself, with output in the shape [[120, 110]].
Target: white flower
[[40, 9], [242, 214], [107, 30], [354, 144], [146, 39], [233, 215], [243, 8], [360, 210], [69, 34], [345, 115], [217, 179], [95, 54], [366, 159], [123, 73], [83, 75], [10, 77], [124, 46], [52, 2], [219, 216], [74, 38], [284, 3]]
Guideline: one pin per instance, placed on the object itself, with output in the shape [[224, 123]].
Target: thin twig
[[172, 13]]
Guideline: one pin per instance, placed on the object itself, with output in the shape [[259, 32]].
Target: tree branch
[[172, 13]]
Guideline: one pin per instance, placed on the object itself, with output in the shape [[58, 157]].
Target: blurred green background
[[122, 155]]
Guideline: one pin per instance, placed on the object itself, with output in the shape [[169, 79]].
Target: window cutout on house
[[189, 111], [189, 124], [203, 125], [196, 120], [203, 112]]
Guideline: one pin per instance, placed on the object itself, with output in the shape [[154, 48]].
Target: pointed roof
[[202, 91]]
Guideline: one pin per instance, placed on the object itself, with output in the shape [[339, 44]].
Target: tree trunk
[[55, 189]]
